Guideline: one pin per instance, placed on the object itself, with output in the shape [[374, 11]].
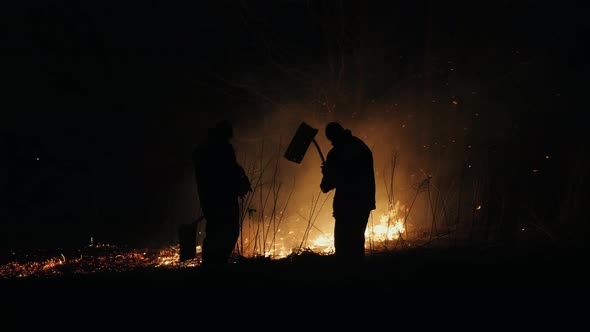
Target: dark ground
[[411, 271], [455, 287]]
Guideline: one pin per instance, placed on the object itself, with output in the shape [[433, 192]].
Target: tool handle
[[319, 150]]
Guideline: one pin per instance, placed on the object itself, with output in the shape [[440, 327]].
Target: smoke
[[287, 201]]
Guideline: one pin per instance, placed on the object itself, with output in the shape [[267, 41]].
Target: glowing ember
[[93, 259]]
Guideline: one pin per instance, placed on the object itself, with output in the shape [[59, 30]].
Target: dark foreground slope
[[409, 271], [489, 285]]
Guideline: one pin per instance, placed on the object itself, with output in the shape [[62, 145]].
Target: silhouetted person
[[349, 170], [220, 181]]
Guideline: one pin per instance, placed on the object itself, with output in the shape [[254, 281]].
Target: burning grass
[[91, 259], [112, 258], [381, 234]]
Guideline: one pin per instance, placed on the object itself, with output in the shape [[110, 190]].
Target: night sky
[[104, 101]]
